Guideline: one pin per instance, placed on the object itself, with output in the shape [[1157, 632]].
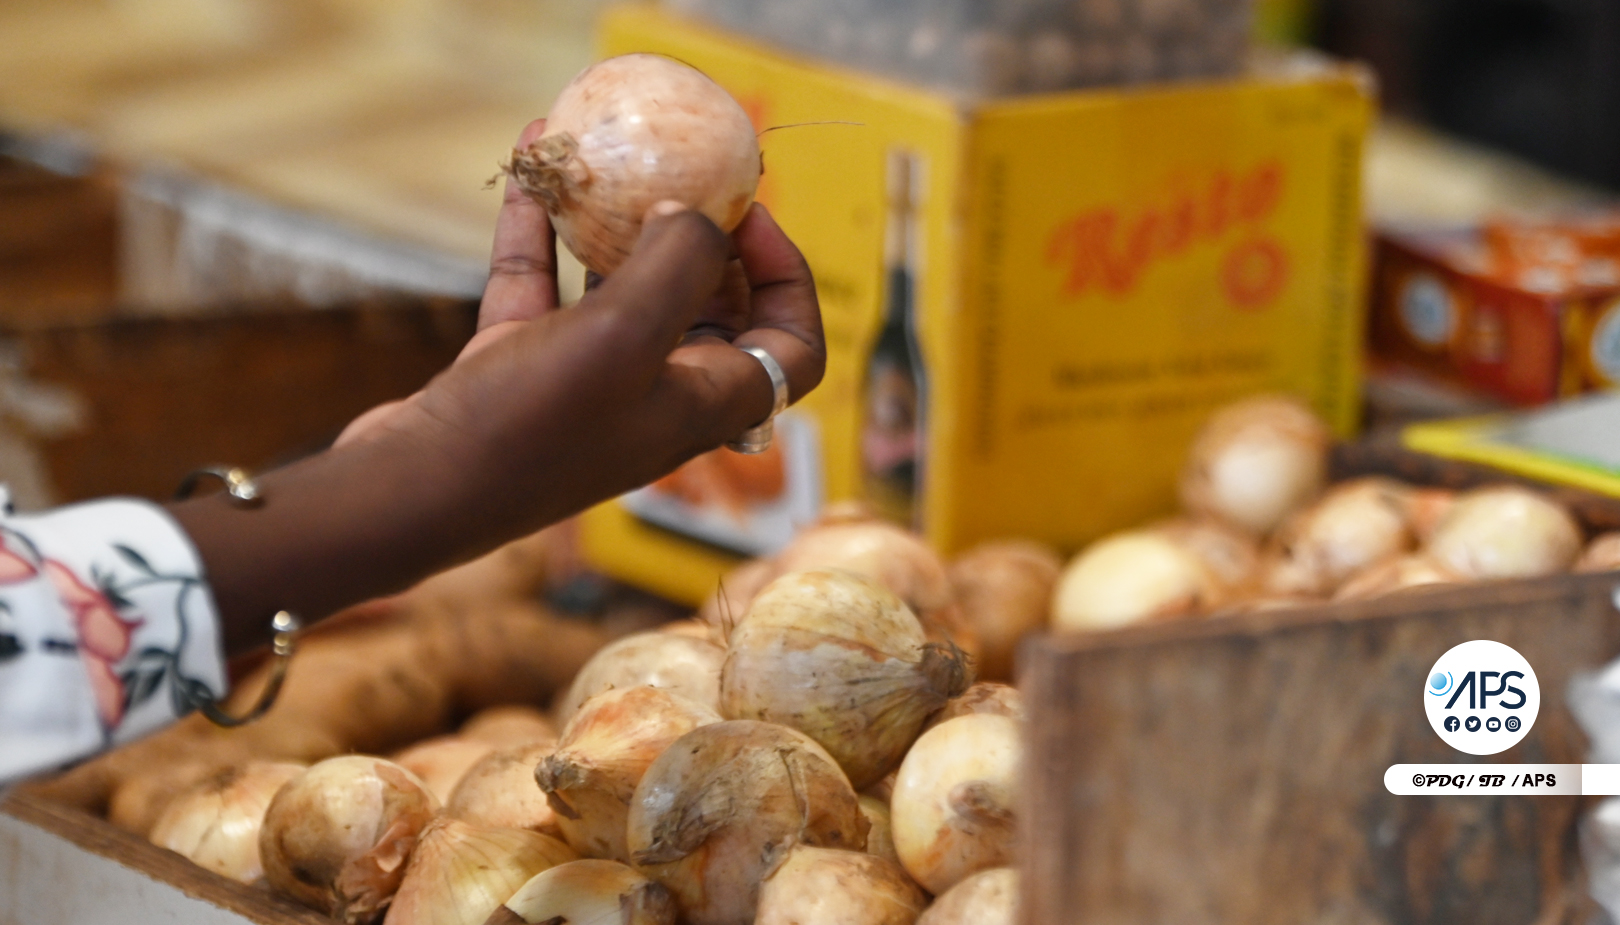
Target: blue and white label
[[1426, 310], [1482, 697]]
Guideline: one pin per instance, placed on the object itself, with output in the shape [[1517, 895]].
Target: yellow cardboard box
[[1092, 273]]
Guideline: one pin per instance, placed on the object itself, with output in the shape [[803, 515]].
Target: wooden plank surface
[[59, 865], [1231, 770]]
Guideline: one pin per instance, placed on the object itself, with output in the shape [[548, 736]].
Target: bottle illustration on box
[[896, 387]]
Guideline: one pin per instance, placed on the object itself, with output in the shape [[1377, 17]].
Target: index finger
[[523, 264]]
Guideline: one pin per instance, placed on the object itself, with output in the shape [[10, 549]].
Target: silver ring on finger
[[757, 439]]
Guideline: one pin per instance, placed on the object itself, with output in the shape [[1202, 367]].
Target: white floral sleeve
[[106, 626]]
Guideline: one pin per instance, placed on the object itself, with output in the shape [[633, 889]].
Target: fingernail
[[666, 207]]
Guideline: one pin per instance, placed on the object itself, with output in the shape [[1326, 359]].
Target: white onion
[[508, 725], [679, 664], [1353, 527], [215, 824], [987, 898], [954, 803], [1600, 555], [828, 886], [1255, 462], [716, 807], [1130, 577], [440, 762], [589, 892], [460, 873], [337, 836], [607, 747], [1004, 590], [1505, 532], [500, 791], [840, 658], [630, 132]]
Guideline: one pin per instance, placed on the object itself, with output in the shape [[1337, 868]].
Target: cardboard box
[[1459, 304], [1091, 274]]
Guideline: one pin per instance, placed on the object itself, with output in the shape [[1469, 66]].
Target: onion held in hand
[[715, 808], [627, 133], [838, 657]]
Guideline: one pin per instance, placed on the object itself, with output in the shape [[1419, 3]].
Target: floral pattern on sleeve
[[103, 612]]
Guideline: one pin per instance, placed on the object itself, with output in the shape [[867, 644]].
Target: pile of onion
[[607, 747], [628, 133], [841, 659], [723, 801], [337, 837]]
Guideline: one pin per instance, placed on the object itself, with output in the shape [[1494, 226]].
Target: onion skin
[[987, 898], [1004, 589], [1128, 578], [680, 664], [1255, 462], [1353, 527], [841, 659], [500, 791], [509, 725], [607, 747], [442, 761], [827, 886], [589, 892], [983, 697], [460, 874], [717, 805], [630, 132], [215, 824], [137, 803], [953, 809], [1600, 555], [1505, 532], [336, 838]]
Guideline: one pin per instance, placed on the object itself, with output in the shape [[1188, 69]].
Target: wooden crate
[[1232, 770]]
